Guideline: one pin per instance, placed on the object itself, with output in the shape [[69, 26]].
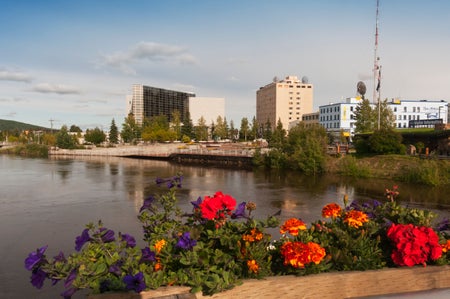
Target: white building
[[408, 112], [340, 117], [337, 117], [206, 107]]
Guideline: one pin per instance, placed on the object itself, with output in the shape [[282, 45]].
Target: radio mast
[[376, 70]]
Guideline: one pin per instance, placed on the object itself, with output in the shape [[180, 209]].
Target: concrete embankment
[[179, 153]]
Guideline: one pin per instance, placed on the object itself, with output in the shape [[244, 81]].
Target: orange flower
[[331, 210], [292, 226], [252, 266], [158, 266], [255, 235], [298, 254], [159, 245], [446, 246], [355, 218]]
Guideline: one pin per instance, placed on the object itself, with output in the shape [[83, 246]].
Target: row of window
[[405, 109]]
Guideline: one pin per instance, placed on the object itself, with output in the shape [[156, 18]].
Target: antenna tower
[[377, 69]]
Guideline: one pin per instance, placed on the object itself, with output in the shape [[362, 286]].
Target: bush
[[349, 166]]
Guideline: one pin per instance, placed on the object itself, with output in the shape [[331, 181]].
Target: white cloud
[[9, 75], [154, 52], [55, 88]]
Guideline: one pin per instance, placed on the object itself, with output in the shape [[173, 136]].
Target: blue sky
[[75, 61]]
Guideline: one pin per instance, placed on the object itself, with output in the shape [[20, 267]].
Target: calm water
[[48, 201]]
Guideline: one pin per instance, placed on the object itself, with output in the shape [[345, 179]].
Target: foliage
[[157, 129], [75, 129], [219, 243], [428, 172], [371, 117], [65, 140], [29, 150], [245, 129], [187, 129], [95, 136], [306, 148], [113, 133], [349, 166], [131, 132], [11, 125], [386, 141], [201, 130]]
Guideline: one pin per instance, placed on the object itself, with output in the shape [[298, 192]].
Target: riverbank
[[410, 169]]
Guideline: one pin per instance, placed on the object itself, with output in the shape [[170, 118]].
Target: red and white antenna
[[376, 69]]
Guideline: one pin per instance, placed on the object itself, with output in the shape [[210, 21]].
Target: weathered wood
[[334, 285]]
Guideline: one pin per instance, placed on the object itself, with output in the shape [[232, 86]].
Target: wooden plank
[[351, 284]]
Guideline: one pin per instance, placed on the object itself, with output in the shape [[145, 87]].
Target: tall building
[[286, 100], [208, 108], [147, 102]]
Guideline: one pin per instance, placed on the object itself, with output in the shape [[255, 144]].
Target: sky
[[74, 62]]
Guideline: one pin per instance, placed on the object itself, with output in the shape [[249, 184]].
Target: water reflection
[[50, 200]]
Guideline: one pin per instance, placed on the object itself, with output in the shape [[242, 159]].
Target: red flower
[[331, 210], [218, 206], [413, 245]]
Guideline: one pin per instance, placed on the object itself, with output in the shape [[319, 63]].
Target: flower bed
[[218, 246]]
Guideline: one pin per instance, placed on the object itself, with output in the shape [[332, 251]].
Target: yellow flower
[[252, 266], [159, 245], [355, 218], [292, 226]]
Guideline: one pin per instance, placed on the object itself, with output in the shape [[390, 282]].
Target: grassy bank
[[28, 150], [409, 169]]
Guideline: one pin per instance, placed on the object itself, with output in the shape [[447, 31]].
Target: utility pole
[[51, 124]]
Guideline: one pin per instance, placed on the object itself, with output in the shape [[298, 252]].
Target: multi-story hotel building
[[286, 100], [147, 101]]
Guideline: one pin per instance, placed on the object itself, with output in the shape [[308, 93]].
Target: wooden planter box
[[333, 285]]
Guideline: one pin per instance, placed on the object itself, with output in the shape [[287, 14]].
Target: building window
[[405, 109], [395, 109]]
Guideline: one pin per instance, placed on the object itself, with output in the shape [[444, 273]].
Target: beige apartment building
[[286, 100]]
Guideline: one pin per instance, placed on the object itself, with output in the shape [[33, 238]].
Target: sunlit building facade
[[284, 100]]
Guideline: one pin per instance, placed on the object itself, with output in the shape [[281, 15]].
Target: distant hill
[[11, 125]]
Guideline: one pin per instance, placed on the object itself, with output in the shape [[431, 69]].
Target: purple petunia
[[67, 294], [60, 257], [197, 203], [135, 282], [131, 241], [70, 278], [107, 235], [82, 239], [38, 277], [35, 258], [147, 203], [185, 241], [240, 211], [148, 255], [115, 269]]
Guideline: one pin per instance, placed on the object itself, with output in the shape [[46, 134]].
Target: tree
[[75, 129], [387, 117], [187, 128], [157, 129], [278, 136], [221, 129], [95, 136], [245, 128], [254, 130], [306, 148], [131, 131], [201, 130], [113, 133], [365, 117], [386, 141], [267, 131], [64, 139], [233, 132], [176, 124]]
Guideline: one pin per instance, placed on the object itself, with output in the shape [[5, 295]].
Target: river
[[48, 202]]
